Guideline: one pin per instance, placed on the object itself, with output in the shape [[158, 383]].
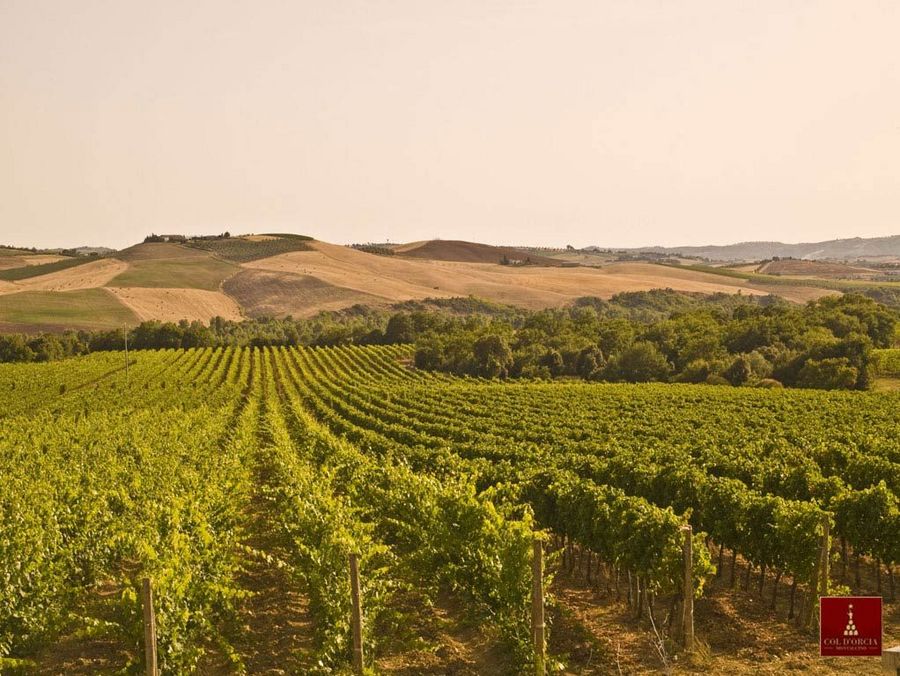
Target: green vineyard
[[194, 468]]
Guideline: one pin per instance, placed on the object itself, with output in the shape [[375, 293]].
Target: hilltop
[[471, 252], [171, 278]]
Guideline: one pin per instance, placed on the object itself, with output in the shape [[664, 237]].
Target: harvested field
[[36, 270], [323, 276], [176, 304], [275, 294], [398, 279], [88, 276]]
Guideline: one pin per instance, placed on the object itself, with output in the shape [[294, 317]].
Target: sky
[[545, 122]]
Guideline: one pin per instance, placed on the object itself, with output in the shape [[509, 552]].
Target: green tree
[[828, 374], [492, 356], [642, 362], [400, 329]]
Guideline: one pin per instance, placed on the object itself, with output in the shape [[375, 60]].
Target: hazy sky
[[545, 122]]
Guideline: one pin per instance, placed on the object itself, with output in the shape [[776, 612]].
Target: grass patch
[[156, 251], [241, 250], [760, 278], [887, 362], [12, 251], [28, 271], [886, 385], [887, 293], [189, 273], [82, 309]]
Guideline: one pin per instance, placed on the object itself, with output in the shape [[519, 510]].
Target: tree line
[[659, 335], [825, 344]]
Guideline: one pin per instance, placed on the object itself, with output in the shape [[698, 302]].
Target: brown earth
[[468, 252], [738, 632], [175, 304], [275, 294], [440, 640]]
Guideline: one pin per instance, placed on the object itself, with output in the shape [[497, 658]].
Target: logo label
[[850, 626]]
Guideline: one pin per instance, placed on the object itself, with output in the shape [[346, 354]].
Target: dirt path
[[76, 652], [738, 632], [275, 629], [442, 639], [275, 635]]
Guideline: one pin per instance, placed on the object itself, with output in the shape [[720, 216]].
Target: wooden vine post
[[687, 617], [806, 615], [150, 657], [890, 661], [537, 609], [356, 615], [824, 568]]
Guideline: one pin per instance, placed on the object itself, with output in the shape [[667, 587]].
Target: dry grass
[[274, 294], [395, 278], [87, 276], [41, 259], [170, 281], [7, 262], [886, 384], [176, 304]]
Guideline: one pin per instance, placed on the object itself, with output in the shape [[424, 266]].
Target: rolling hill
[[471, 252], [856, 248], [277, 275]]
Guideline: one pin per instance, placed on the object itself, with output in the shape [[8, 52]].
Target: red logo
[[850, 626]]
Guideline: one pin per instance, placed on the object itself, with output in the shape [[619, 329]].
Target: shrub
[[716, 380], [828, 374]]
